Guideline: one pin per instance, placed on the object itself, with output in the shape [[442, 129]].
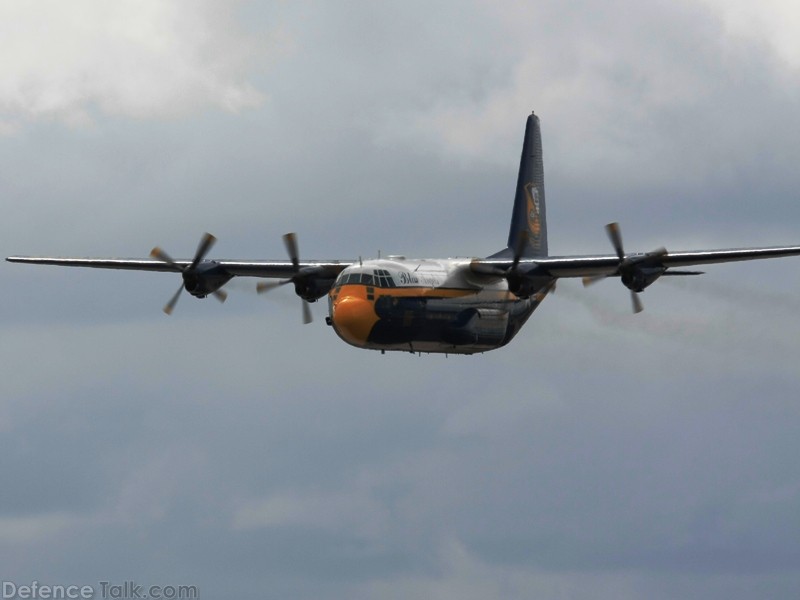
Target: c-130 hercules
[[446, 305]]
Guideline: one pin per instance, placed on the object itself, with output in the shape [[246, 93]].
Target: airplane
[[440, 305]]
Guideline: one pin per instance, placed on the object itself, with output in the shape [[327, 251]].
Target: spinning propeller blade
[[290, 241], [169, 306], [627, 266], [206, 242], [263, 287]]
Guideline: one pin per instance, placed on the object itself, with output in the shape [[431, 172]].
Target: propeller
[[512, 274], [629, 266], [290, 241], [188, 272], [520, 282]]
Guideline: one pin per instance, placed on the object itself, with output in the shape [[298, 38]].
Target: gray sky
[[600, 455]]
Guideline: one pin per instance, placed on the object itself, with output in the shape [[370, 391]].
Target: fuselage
[[425, 305]]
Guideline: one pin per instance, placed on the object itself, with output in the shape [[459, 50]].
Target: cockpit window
[[383, 279], [379, 278]]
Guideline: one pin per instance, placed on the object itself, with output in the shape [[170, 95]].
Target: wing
[[200, 267], [201, 277], [312, 279], [589, 266], [528, 276], [608, 264], [236, 268], [535, 276]]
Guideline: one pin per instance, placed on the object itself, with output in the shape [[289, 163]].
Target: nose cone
[[353, 319]]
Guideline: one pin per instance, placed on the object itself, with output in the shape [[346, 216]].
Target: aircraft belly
[[464, 323]]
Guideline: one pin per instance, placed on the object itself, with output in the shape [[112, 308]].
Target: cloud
[[33, 529], [773, 23], [463, 576], [600, 454], [133, 58], [631, 95], [352, 511]]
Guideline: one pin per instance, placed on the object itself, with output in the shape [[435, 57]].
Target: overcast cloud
[[600, 455]]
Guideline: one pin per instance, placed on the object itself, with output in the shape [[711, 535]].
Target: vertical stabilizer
[[528, 219]]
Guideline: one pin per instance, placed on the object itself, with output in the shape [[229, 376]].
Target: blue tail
[[528, 231]]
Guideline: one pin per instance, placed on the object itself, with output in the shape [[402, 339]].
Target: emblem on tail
[[534, 218]]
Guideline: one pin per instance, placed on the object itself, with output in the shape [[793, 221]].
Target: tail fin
[[529, 217]]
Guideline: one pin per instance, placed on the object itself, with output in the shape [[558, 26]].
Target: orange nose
[[353, 319]]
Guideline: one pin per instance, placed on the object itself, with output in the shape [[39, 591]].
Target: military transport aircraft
[[457, 306]]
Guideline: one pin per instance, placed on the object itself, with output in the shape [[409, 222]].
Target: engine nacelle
[[312, 289], [638, 278], [526, 286], [205, 279]]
